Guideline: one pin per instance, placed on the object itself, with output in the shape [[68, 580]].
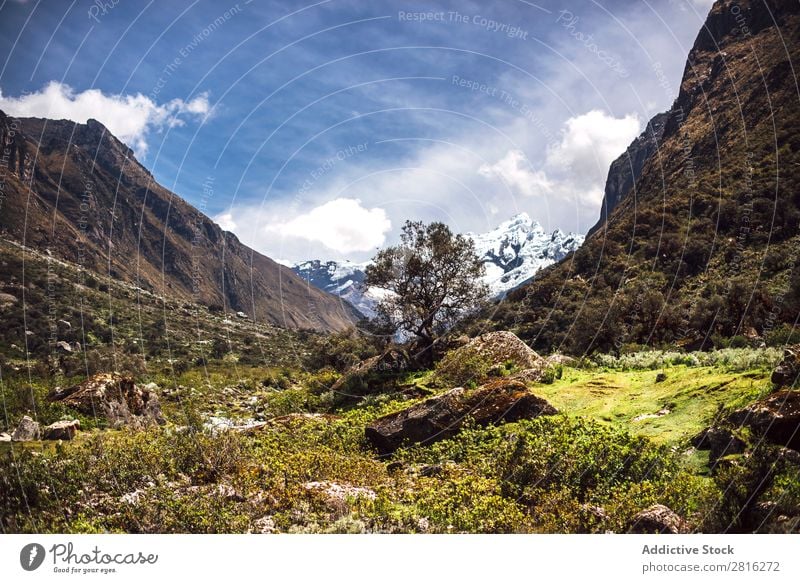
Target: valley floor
[[254, 449]]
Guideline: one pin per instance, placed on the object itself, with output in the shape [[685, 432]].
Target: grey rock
[[657, 519], [64, 430], [115, 397], [443, 416], [27, 430], [787, 372]]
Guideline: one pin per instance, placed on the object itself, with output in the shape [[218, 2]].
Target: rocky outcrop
[[114, 397], [657, 519], [787, 373], [27, 430], [63, 430], [719, 442], [442, 416], [776, 418], [488, 353], [625, 170]]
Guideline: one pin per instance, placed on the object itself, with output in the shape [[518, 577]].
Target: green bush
[[463, 368]]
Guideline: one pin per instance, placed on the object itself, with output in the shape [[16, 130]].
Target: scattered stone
[[7, 300], [430, 470], [63, 430], [264, 525], [442, 416], [776, 418], [392, 467], [241, 315], [132, 497], [787, 372], [293, 418], [661, 377], [63, 345], [337, 496], [657, 519], [4, 437], [597, 512], [719, 441], [27, 430], [229, 493], [114, 397], [750, 333], [655, 415]]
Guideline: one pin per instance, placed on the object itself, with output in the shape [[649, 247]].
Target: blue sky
[[318, 128]]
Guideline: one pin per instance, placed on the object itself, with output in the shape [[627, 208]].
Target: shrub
[[463, 368]]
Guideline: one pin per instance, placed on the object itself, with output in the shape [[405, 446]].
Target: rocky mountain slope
[[79, 193], [705, 249], [625, 170], [512, 253]]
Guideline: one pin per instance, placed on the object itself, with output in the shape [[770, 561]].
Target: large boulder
[[787, 372], [27, 430], [486, 354], [775, 418], [114, 397], [657, 519], [64, 430], [442, 416], [719, 442]]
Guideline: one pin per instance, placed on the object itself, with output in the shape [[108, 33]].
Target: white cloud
[[575, 168], [129, 117], [225, 221], [593, 140], [514, 168], [343, 225]]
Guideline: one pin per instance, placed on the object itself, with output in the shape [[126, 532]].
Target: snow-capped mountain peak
[[517, 249], [512, 254]]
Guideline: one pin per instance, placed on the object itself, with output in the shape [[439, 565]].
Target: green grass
[[693, 396]]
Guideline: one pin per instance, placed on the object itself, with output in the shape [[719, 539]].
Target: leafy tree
[[433, 277]]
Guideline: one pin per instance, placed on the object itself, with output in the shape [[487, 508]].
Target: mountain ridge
[[704, 250], [78, 191]]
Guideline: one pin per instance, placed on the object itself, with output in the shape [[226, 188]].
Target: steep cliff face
[[708, 247], [625, 170], [77, 191]]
